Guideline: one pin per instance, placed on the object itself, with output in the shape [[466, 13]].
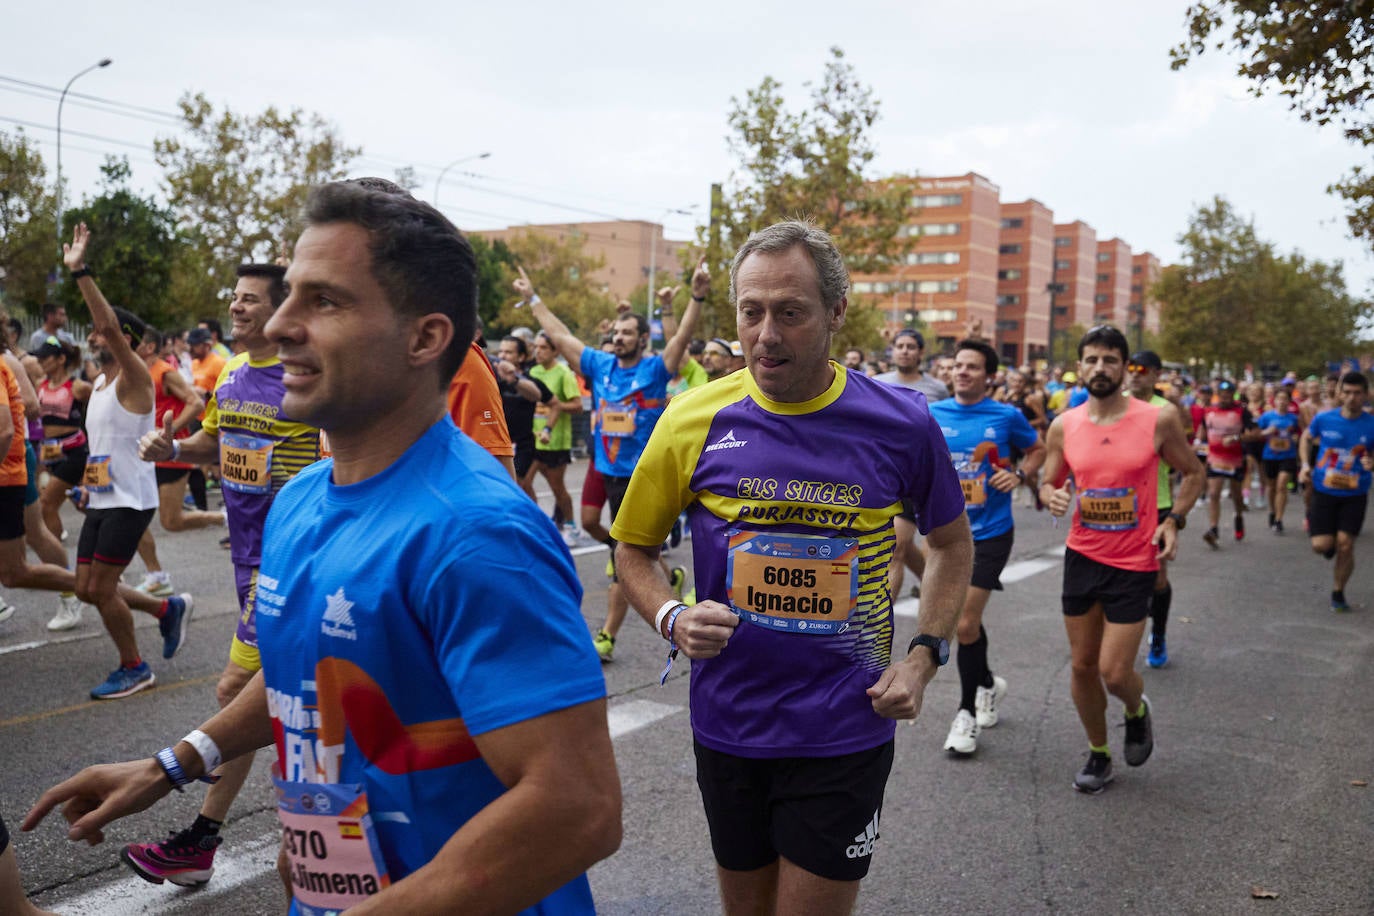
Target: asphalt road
[[1257, 783]]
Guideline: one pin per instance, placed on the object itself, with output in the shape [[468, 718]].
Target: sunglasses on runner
[[1137, 369]]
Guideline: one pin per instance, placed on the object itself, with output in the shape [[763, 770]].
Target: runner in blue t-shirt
[[441, 736], [1279, 461], [1340, 479], [980, 433], [629, 390]]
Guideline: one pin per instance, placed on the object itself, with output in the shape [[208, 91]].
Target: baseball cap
[[50, 347], [197, 336], [1147, 358], [736, 349], [1070, 376], [1225, 385]]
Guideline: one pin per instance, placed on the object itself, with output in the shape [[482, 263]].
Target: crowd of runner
[[379, 506]]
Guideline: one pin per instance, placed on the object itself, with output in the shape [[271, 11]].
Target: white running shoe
[[963, 734], [159, 585], [6, 609], [570, 535], [986, 699], [68, 613]]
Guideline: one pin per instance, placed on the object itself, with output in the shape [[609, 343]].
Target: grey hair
[[831, 273]]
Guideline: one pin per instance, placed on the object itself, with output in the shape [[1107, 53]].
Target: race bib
[[1280, 443], [1112, 509], [50, 451], [245, 463], [975, 487], [1339, 480], [618, 421], [330, 846], [793, 582], [97, 476]]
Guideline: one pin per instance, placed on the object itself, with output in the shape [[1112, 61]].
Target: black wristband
[[698, 298], [83, 272]]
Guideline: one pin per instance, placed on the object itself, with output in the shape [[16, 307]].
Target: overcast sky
[[617, 110]]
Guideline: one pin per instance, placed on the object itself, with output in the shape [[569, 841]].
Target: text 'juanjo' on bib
[[1109, 509], [330, 846], [245, 463], [793, 582]]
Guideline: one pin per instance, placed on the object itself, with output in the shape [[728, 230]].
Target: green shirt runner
[[560, 380]]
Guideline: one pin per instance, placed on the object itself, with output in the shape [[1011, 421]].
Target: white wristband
[[207, 749], [176, 449], [663, 612]]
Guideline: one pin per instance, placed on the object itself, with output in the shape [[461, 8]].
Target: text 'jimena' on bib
[[794, 582], [330, 846]]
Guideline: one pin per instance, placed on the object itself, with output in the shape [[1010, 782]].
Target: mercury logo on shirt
[[727, 441]]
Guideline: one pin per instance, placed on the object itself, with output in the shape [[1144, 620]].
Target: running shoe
[[1095, 775], [181, 859], [6, 610], [1159, 653], [225, 543], [604, 643], [173, 623], [963, 734], [985, 702], [610, 568], [124, 681], [1278, 526], [1140, 737], [1340, 605], [1240, 527], [188, 502], [159, 586], [68, 613], [569, 531], [1212, 538], [677, 579]]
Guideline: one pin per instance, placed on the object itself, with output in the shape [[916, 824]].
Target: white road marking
[[132, 896]]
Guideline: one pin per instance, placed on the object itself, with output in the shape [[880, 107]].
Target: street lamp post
[[103, 62], [1053, 289], [444, 171], [653, 259]]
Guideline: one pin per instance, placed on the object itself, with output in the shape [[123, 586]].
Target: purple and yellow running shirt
[[791, 508], [260, 448]]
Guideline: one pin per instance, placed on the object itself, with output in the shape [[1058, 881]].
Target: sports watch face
[[938, 647]]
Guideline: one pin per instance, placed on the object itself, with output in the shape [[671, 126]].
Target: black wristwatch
[[1180, 521], [939, 648]]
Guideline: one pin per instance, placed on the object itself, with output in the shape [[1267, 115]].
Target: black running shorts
[[1330, 514], [111, 535], [1273, 467], [989, 559], [170, 475], [12, 512], [553, 457], [1124, 593], [820, 813]]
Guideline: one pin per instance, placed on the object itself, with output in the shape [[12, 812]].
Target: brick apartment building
[[1075, 269], [1112, 296], [1144, 274], [1025, 268], [625, 246]]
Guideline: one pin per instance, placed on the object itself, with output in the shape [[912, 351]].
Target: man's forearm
[[242, 726], [567, 343], [638, 573], [949, 565], [198, 448]]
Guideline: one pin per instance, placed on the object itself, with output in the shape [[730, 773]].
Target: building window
[[934, 229], [1008, 300], [1102, 298], [1063, 265], [1008, 324], [926, 287], [1063, 241], [1103, 257], [863, 287], [1009, 274], [1137, 288], [934, 315], [936, 200], [1013, 222], [933, 257], [1104, 278], [1135, 268], [1008, 249]]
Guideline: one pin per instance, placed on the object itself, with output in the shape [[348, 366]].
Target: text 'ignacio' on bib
[[793, 582]]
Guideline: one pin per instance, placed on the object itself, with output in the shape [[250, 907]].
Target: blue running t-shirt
[[1280, 435], [1341, 443], [400, 616], [628, 404], [980, 437]]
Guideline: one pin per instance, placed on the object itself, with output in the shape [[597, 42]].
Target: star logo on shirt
[[338, 617]]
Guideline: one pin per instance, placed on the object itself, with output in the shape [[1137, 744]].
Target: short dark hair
[[50, 309], [15, 325], [1104, 335], [419, 259], [640, 321], [990, 360], [1355, 378], [911, 332], [130, 324], [274, 274], [519, 344]]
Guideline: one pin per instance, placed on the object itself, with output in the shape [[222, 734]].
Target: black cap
[[198, 336], [911, 332], [50, 347], [1147, 358]]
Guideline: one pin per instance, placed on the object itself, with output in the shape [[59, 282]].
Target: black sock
[[1159, 610], [973, 669], [204, 827], [558, 517], [1338, 597], [1330, 552]]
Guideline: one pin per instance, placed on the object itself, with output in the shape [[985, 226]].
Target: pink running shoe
[[179, 859]]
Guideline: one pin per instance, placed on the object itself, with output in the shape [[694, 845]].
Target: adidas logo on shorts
[[863, 843]]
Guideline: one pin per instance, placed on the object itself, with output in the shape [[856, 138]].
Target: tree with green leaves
[[495, 271], [136, 247], [28, 232], [1233, 300], [237, 183], [816, 164], [1316, 54], [561, 271]]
